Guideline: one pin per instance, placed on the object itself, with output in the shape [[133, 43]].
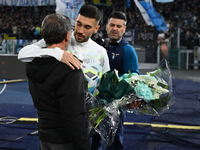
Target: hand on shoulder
[[69, 59]]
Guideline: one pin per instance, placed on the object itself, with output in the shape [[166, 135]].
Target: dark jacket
[[123, 57], [58, 93]]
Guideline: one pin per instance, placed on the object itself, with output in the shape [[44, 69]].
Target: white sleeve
[[41, 43], [28, 53], [106, 66]]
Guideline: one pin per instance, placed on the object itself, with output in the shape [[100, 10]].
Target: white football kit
[[94, 57]]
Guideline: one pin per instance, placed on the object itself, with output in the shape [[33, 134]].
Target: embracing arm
[[28, 53]]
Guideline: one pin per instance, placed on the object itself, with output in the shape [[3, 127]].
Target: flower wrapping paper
[[154, 88]]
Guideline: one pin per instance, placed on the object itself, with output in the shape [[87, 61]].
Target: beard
[[114, 36], [114, 39], [80, 37]]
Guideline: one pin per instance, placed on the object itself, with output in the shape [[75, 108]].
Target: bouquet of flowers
[[154, 88]]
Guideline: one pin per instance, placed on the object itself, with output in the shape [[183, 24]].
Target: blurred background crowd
[[182, 18], [24, 22]]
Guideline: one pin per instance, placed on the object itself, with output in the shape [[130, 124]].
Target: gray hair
[[54, 28]]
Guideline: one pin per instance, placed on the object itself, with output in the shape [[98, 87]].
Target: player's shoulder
[[96, 45], [128, 46]]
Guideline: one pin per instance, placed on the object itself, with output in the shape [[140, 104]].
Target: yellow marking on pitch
[[137, 123], [12, 81], [28, 119], [164, 126]]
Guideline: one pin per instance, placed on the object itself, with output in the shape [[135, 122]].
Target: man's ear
[[124, 29], [96, 29]]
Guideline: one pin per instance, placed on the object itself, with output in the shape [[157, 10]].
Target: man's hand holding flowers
[[135, 104], [150, 94]]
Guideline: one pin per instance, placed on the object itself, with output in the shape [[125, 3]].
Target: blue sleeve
[[130, 60]]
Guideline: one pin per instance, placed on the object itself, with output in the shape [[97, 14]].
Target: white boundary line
[[4, 87]]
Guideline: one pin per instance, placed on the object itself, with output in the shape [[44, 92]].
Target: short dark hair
[[90, 11], [54, 28], [118, 15]]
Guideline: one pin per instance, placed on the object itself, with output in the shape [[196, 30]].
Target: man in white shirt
[[94, 57]]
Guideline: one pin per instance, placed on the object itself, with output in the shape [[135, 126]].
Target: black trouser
[[52, 146]]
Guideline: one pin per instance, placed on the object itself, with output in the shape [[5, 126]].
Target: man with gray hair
[[58, 92], [94, 57]]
